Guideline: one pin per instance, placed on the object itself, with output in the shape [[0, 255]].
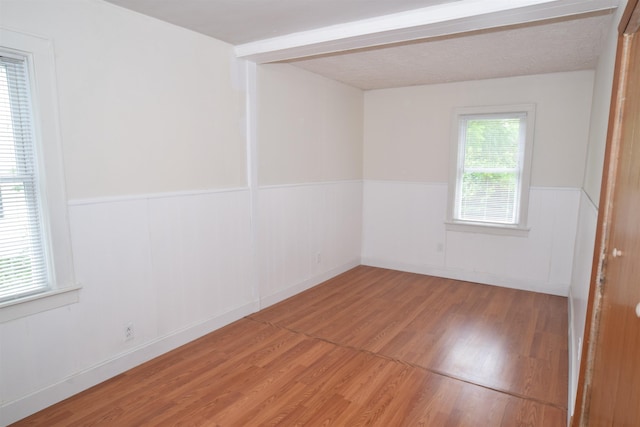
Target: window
[[491, 160], [36, 269], [23, 267]]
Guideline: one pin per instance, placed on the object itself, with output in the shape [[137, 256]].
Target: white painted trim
[[136, 197], [15, 410], [495, 229], [393, 181], [251, 107], [434, 21], [556, 188], [306, 284], [309, 184], [189, 193], [445, 184], [469, 276], [52, 196], [22, 307], [456, 157]]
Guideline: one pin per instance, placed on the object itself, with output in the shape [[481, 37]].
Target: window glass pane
[[489, 197], [23, 269], [490, 169], [492, 143]]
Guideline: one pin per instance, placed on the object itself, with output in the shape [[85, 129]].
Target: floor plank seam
[[410, 350], [405, 363]]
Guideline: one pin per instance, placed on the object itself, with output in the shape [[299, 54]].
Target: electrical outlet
[[318, 258], [128, 332]]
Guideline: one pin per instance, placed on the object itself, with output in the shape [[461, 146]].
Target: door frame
[[627, 31]]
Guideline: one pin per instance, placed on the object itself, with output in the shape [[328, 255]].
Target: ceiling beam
[[440, 20]]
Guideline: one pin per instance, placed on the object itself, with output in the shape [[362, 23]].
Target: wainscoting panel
[[404, 223], [307, 234], [404, 229], [200, 250], [579, 291], [174, 267]]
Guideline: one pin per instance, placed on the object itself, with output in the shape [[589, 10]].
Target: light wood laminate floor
[[369, 347]]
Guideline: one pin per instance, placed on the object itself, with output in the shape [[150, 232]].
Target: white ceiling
[[533, 49], [553, 36], [242, 21]]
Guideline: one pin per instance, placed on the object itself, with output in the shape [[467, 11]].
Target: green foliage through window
[[490, 168]]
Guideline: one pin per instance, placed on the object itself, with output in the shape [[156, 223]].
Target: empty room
[[319, 212]]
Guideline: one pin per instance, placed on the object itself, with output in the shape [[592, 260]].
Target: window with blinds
[[490, 169], [491, 156], [23, 265]]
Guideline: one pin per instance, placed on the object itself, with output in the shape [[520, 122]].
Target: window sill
[[11, 310], [495, 229]]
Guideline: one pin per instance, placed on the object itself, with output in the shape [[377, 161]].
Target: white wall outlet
[[318, 258], [129, 332]]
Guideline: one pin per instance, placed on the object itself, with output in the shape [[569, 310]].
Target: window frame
[[457, 158], [56, 236]]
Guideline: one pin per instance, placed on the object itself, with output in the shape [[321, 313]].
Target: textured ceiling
[[562, 44], [568, 45], [242, 21]]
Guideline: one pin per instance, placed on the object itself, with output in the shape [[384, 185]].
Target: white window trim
[[520, 229], [65, 290]]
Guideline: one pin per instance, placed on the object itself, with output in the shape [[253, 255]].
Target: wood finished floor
[[369, 347]]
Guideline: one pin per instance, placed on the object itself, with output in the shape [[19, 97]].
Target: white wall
[[144, 106], [309, 127], [168, 231], [406, 160], [308, 234], [170, 235], [152, 131], [404, 230], [579, 289], [309, 144], [599, 122], [589, 201], [407, 130], [175, 267]]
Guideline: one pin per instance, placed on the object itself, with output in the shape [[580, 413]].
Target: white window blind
[[490, 165], [23, 265]]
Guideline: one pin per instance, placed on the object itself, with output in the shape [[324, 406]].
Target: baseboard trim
[[13, 411], [306, 284], [560, 289]]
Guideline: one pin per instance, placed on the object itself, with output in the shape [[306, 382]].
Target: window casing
[[490, 169], [35, 246], [23, 263]]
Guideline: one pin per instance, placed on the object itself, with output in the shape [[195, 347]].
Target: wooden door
[[609, 388]]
